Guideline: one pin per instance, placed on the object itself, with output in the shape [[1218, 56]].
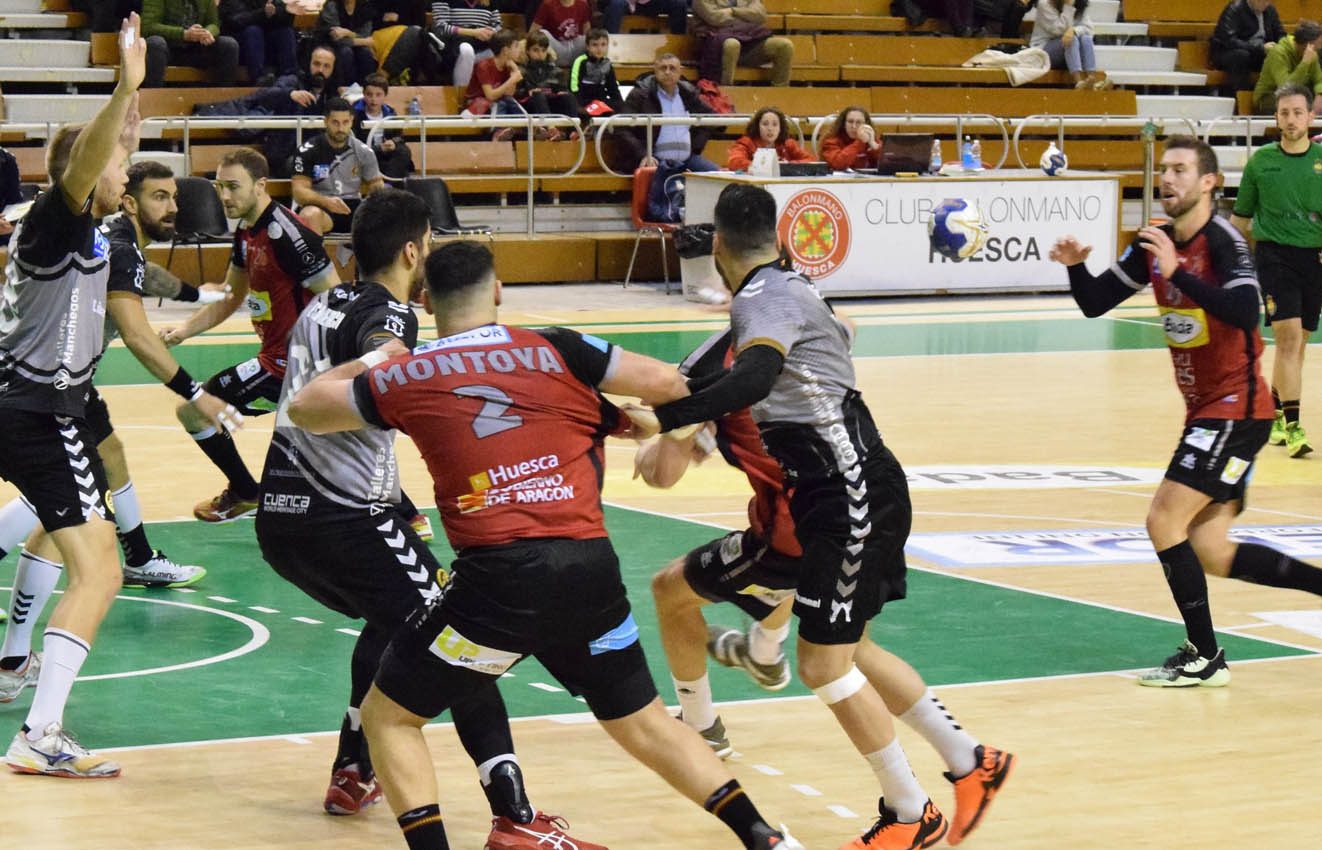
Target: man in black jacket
[[664, 92], [1246, 30], [265, 32]]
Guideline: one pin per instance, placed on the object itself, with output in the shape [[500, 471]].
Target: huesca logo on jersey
[[815, 227]]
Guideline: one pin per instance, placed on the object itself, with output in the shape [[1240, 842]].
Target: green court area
[[246, 654]]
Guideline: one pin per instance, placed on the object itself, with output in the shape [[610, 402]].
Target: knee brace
[[843, 688]]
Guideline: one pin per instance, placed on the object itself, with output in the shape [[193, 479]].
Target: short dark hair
[[147, 169], [839, 128], [502, 40], [1207, 163], [383, 224], [537, 39], [597, 33], [1290, 89], [379, 80], [336, 104], [746, 218], [60, 149], [458, 266], [754, 132], [249, 160], [1306, 32]]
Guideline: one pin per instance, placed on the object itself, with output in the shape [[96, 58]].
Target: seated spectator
[[542, 91], [107, 15], [664, 92], [1002, 18], [491, 90], [264, 30], [1292, 60], [332, 173], [768, 128], [1246, 30], [11, 191], [186, 32], [347, 25], [852, 142], [592, 76], [397, 38], [957, 13], [1064, 30], [676, 10], [566, 23], [393, 156], [464, 28], [735, 32]]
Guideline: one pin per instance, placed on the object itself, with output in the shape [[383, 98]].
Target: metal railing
[[1091, 122]]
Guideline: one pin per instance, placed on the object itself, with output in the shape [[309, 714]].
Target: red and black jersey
[[511, 427], [281, 255], [1217, 365], [741, 445]]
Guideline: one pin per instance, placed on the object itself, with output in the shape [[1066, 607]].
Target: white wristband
[[373, 358]]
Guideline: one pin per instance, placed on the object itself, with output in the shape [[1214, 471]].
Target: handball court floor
[[1033, 439]]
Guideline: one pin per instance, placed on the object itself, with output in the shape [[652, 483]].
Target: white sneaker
[[1187, 669], [13, 682], [160, 571], [57, 753]]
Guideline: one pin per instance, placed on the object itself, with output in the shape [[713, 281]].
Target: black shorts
[[742, 569], [52, 460], [359, 563], [852, 528], [562, 601], [247, 386], [1215, 456], [1291, 281], [97, 417]]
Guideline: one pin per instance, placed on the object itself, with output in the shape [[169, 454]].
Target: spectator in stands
[[393, 156], [264, 30], [1292, 60], [1246, 30], [592, 76], [1064, 30], [735, 32], [465, 28], [333, 171], [677, 11], [397, 38], [566, 23], [186, 32], [768, 128], [11, 191], [346, 25], [957, 13], [665, 92], [852, 142], [542, 91], [491, 90], [1003, 18], [107, 15]]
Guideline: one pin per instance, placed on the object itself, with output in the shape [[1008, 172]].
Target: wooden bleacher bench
[[942, 74], [633, 54], [873, 8], [897, 49]]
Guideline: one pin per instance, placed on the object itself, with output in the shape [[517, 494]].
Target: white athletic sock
[[128, 513], [17, 520], [62, 657], [898, 784], [355, 716], [764, 644], [695, 702], [484, 769], [931, 719], [33, 584]]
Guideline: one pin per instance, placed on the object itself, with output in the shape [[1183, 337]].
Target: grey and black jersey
[[52, 308], [782, 309], [128, 267], [336, 173], [356, 469]]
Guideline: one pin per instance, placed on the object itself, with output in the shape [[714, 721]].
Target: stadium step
[[1128, 58], [1119, 30], [30, 6], [1157, 78], [37, 108], [45, 52], [1185, 106], [42, 74], [1231, 157], [40, 20], [1099, 11]]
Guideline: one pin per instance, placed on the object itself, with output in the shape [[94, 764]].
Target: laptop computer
[[905, 152]]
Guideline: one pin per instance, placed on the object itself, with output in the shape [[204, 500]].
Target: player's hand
[[220, 413], [172, 336], [132, 53], [643, 422], [704, 442], [128, 137], [302, 98], [1155, 241], [336, 205], [1068, 251]]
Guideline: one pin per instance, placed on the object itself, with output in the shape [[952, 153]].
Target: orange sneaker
[[545, 831], [974, 792], [226, 507], [889, 834]]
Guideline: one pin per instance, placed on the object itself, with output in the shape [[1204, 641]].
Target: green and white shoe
[[1187, 669], [1277, 437], [1296, 441]]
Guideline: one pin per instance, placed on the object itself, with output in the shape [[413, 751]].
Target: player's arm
[[207, 317], [326, 405], [663, 462], [323, 280], [748, 380], [1096, 294], [1235, 301], [645, 377], [305, 196]]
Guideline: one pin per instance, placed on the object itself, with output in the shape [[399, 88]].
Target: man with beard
[[1202, 276], [333, 171]]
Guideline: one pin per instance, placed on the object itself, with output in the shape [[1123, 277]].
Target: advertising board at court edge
[[871, 236]]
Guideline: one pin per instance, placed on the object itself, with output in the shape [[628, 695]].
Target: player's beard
[[157, 229], [1179, 205], [415, 286]]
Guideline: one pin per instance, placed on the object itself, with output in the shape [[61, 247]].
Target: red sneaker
[[224, 508], [348, 794], [546, 832], [974, 792]]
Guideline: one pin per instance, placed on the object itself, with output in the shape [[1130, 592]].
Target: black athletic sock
[[137, 550], [1290, 409], [406, 508], [1276, 400], [372, 641], [732, 806], [225, 455], [506, 794], [1264, 565], [423, 828], [483, 727], [1188, 585]]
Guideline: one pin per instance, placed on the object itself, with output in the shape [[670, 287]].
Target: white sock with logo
[[695, 702], [33, 585], [17, 521], [898, 784], [764, 644], [128, 513], [930, 718], [63, 656]]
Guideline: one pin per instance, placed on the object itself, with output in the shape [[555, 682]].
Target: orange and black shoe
[[975, 790], [889, 834]]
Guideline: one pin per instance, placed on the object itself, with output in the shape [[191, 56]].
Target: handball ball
[[1053, 160], [956, 228]]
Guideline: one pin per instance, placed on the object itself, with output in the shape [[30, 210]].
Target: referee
[[1280, 195]]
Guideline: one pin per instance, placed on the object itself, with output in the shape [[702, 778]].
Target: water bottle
[[966, 159], [934, 164], [415, 106], [977, 154]]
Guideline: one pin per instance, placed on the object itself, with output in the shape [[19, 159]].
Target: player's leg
[[253, 391], [316, 218], [1252, 562], [34, 582], [18, 520]]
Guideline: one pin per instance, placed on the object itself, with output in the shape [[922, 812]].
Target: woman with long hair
[[1064, 30], [768, 128], [853, 141]]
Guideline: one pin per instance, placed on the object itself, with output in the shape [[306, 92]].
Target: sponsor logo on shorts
[[453, 648], [1189, 461], [285, 503], [248, 369], [1235, 469], [1201, 438]]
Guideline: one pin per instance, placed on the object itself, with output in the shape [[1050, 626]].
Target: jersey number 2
[[494, 417]]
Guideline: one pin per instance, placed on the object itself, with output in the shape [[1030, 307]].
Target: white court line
[[221, 599], [842, 811], [349, 632], [297, 739], [542, 686], [767, 769], [308, 620], [262, 609], [806, 790], [1248, 508]]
